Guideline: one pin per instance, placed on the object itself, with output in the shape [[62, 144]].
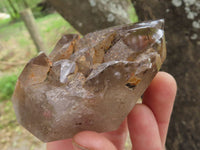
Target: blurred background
[[28, 27]]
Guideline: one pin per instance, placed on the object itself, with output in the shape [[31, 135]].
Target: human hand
[[147, 123]]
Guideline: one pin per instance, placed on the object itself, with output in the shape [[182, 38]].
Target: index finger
[[159, 97]]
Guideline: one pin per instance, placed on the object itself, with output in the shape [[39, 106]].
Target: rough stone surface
[[90, 83]]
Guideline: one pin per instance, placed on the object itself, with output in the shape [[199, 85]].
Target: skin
[[147, 123]]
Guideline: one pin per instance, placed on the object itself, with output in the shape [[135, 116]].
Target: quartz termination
[[90, 83]]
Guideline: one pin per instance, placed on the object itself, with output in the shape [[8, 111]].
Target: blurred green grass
[[9, 118], [7, 85], [132, 14], [16, 46], [51, 27], [4, 22]]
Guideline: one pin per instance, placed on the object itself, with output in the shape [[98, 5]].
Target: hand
[[147, 123]]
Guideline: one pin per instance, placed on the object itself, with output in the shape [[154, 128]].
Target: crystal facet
[[90, 83]]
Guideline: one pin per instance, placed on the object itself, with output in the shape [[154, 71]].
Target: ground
[[16, 49]]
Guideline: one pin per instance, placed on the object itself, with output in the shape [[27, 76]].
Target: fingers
[[118, 137], [159, 97], [147, 122], [60, 145], [143, 129], [89, 140]]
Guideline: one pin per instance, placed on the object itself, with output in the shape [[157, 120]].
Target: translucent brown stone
[[90, 83]]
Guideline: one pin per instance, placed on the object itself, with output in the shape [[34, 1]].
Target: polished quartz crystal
[[89, 83]]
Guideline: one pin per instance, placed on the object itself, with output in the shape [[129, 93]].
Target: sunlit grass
[[132, 15], [16, 44], [8, 119], [4, 21], [7, 85]]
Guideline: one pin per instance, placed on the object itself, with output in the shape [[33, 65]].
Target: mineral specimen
[[90, 83]]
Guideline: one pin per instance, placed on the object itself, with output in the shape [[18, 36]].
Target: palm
[[147, 123]]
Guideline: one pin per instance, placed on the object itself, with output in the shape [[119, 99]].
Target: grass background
[[16, 47]]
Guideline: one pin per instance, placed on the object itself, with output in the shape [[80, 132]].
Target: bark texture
[[183, 62], [90, 15]]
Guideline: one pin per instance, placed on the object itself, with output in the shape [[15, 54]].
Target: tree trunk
[[90, 15], [183, 62], [31, 25]]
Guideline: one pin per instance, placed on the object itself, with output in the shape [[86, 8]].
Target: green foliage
[[51, 27], [7, 85], [13, 7], [132, 14], [55, 22]]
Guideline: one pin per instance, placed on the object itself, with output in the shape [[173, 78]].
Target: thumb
[[88, 140]]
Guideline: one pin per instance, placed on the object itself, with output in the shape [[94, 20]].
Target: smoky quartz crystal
[[89, 83]]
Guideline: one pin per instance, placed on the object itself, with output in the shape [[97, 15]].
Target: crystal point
[[90, 83]]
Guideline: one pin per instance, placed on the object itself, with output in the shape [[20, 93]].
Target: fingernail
[[78, 147]]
